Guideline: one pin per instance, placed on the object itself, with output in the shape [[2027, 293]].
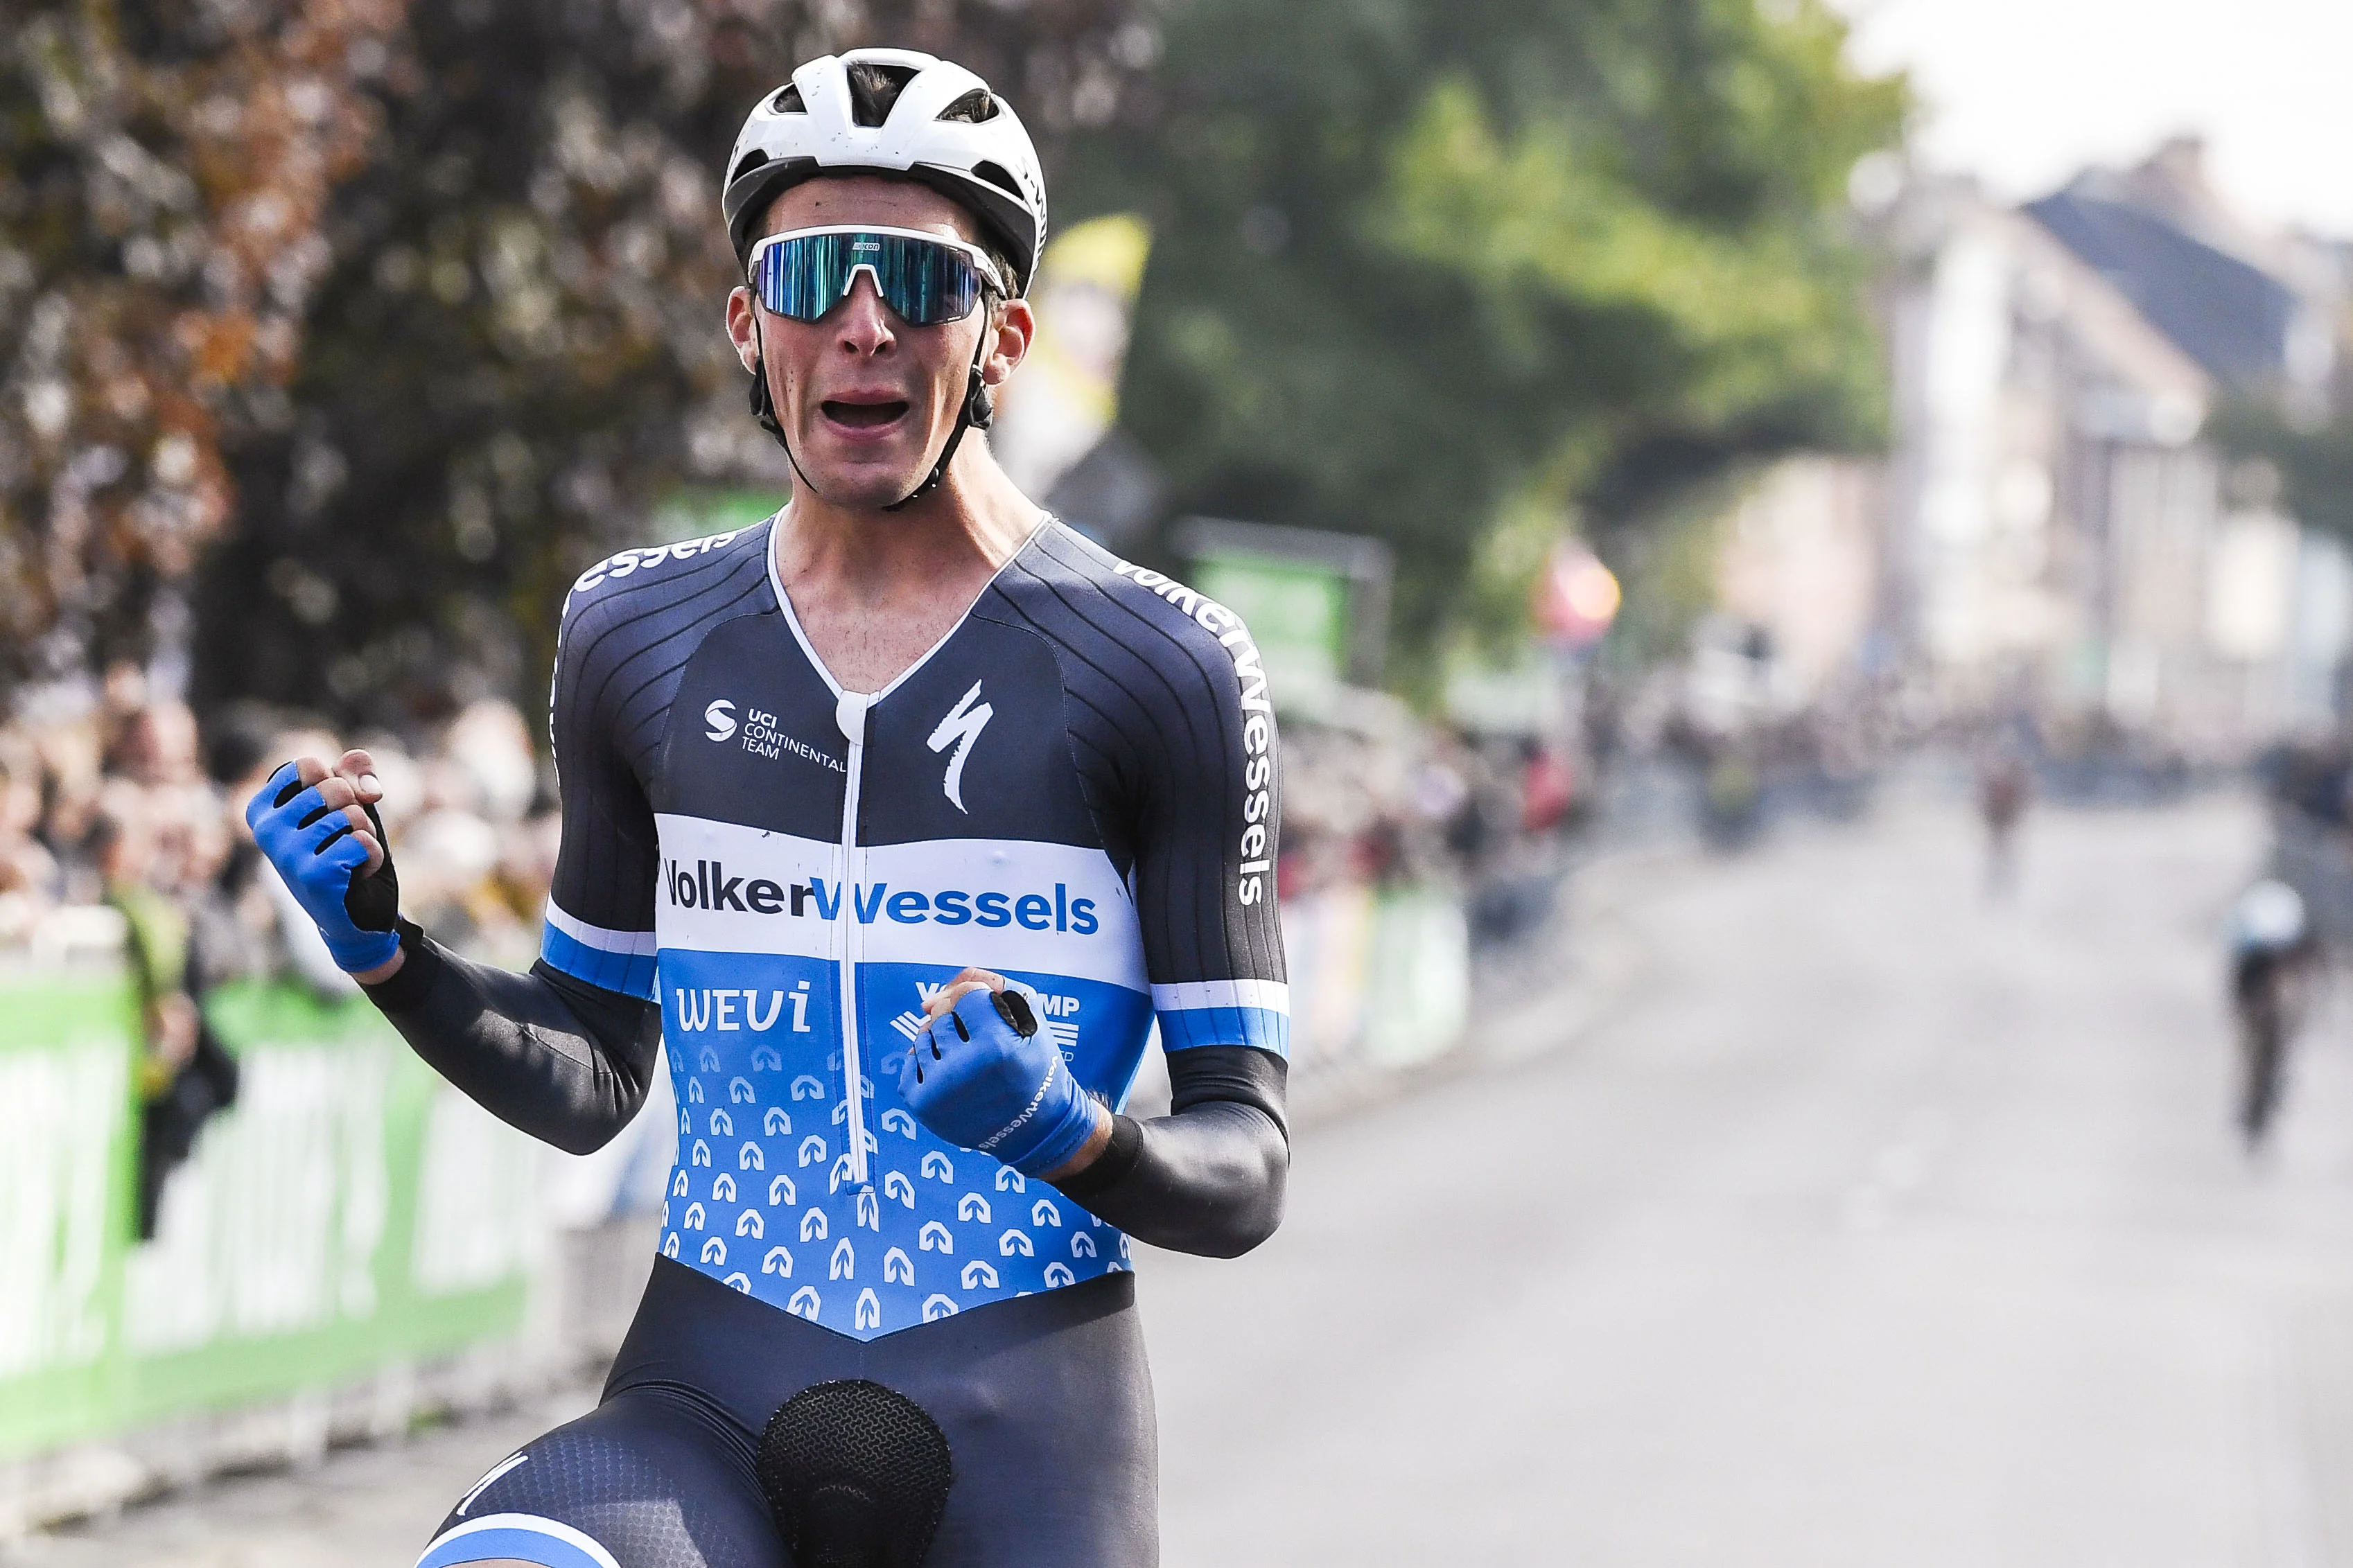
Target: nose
[[864, 328]]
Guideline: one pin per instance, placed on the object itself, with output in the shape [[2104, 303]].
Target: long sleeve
[[1169, 710], [1209, 1177], [566, 1061]]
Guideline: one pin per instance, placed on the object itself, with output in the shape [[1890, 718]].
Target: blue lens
[[924, 283]]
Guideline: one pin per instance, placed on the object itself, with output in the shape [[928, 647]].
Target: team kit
[[903, 950]]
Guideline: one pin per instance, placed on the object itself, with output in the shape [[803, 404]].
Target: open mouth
[[864, 415]]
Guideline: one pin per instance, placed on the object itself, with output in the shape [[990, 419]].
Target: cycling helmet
[[945, 129], [2269, 918]]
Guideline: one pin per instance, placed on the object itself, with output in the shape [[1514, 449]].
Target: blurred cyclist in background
[[2003, 788], [2275, 966]]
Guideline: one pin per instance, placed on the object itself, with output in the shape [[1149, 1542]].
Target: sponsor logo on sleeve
[[628, 562], [1255, 865]]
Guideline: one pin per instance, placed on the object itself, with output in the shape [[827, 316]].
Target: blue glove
[[982, 1077], [312, 846]]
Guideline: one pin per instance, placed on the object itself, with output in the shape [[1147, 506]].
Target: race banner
[[349, 1212]]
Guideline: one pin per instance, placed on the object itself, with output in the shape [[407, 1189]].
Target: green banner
[[1297, 612], [351, 1211]]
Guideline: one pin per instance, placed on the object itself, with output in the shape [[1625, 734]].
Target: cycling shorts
[[1045, 1400]]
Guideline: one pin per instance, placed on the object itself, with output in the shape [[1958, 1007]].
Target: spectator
[[29, 878], [132, 804], [184, 1075]]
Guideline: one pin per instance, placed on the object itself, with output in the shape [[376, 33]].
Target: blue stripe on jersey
[[1255, 1013], [1181, 1028], [629, 972]]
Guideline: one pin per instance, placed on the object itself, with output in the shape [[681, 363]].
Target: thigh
[[1045, 1400], [650, 1479], [1053, 1440]]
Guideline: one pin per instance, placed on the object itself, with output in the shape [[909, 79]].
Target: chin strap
[[764, 412], [978, 413]]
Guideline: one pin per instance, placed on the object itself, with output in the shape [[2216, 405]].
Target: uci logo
[[720, 717]]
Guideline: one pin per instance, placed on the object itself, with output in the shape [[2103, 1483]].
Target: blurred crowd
[[122, 841], [1384, 800]]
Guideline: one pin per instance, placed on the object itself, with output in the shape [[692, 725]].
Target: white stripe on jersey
[[1269, 995], [597, 937], [1013, 905]]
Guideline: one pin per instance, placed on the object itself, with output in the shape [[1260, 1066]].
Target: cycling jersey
[[1075, 788]]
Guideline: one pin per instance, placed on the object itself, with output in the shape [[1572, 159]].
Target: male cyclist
[[2274, 964], [904, 818]]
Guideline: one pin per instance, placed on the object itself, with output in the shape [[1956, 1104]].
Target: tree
[[163, 172], [1418, 262], [518, 348], [2313, 459]]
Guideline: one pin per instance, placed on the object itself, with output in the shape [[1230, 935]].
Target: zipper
[[849, 714]]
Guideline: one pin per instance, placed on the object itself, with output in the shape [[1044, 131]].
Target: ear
[[1015, 326], [744, 327]]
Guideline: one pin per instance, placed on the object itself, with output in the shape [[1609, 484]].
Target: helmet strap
[[978, 411], [764, 409]]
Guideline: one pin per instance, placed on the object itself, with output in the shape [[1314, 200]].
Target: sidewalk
[[368, 1507]]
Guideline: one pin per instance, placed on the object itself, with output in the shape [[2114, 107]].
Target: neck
[[946, 546]]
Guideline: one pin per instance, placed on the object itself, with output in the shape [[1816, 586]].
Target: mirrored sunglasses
[[925, 279]]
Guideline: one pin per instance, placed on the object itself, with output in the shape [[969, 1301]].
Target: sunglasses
[[926, 280]]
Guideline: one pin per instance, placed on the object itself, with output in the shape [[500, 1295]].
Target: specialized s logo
[[962, 727], [720, 717]]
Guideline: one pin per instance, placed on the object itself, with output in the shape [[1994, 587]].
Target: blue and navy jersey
[[1075, 788]]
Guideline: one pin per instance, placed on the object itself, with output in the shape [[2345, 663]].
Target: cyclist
[[2004, 788], [2275, 955], [902, 818]]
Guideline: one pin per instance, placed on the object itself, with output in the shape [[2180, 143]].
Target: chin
[[860, 488]]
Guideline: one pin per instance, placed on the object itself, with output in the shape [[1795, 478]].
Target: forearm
[[568, 1062], [1207, 1178]]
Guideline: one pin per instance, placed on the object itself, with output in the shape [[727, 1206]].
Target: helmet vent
[[874, 90], [751, 161], [996, 174], [973, 107], [787, 101]]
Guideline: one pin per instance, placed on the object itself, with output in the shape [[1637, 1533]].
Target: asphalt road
[[1871, 1224], [1827, 1214]]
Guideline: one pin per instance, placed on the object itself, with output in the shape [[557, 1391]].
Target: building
[[2056, 529]]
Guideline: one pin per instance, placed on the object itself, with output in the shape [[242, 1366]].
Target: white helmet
[[2269, 917], [945, 129]]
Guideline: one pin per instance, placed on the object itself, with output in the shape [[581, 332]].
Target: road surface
[[1830, 1215], [1874, 1224]]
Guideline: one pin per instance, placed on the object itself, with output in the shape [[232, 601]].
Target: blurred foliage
[[1422, 268], [2313, 460], [163, 171], [1668, 567], [423, 298], [392, 314], [520, 350]]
